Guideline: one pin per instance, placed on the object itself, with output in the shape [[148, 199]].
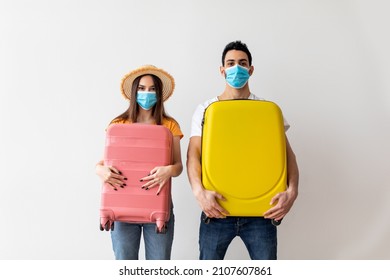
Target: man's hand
[[284, 201], [208, 203]]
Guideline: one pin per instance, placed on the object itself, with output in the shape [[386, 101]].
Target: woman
[[146, 88]]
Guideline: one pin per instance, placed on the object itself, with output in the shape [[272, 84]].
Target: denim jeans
[[257, 233], [126, 238]]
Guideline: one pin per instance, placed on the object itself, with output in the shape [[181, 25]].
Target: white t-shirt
[[196, 125]]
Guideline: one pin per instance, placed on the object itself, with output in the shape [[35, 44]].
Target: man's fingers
[[216, 212], [220, 197]]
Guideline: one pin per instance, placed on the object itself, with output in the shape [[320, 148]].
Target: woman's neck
[[145, 117]]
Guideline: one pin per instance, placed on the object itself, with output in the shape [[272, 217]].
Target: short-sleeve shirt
[[169, 123], [196, 125]]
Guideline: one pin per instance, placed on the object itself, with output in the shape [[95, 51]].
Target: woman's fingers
[[115, 178], [113, 169], [153, 184], [115, 173]]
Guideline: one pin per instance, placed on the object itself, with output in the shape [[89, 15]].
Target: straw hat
[[167, 80]]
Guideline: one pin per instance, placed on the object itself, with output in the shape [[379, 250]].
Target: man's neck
[[232, 93]]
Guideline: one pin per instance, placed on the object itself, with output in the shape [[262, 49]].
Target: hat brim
[[167, 80]]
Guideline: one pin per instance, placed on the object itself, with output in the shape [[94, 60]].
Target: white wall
[[326, 63]]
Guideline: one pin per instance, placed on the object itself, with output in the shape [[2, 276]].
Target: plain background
[[326, 63]]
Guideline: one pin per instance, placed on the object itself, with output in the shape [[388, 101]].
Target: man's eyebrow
[[240, 60]]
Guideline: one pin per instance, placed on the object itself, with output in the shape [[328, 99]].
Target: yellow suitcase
[[244, 154]]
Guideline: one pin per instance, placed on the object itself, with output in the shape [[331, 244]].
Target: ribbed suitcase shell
[[244, 154], [135, 149]]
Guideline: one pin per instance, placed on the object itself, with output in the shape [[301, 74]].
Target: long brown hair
[[158, 110]]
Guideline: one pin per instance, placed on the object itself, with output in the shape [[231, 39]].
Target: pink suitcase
[[135, 149]]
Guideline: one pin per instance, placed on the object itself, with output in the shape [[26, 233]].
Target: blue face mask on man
[[146, 99], [237, 76]]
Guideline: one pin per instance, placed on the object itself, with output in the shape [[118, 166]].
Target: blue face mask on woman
[[146, 99], [237, 76]]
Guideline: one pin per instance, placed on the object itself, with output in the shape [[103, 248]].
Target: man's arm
[[285, 200], [207, 199]]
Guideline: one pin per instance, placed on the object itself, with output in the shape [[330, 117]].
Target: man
[[217, 228]]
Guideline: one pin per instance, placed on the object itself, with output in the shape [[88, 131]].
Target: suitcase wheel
[[163, 230], [108, 225]]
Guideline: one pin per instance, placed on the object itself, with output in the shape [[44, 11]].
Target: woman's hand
[[110, 175], [157, 177]]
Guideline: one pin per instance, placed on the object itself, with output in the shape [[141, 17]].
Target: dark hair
[[158, 110], [239, 46]]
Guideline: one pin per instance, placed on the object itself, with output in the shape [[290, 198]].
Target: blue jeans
[[257, 233], [126, 239]]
